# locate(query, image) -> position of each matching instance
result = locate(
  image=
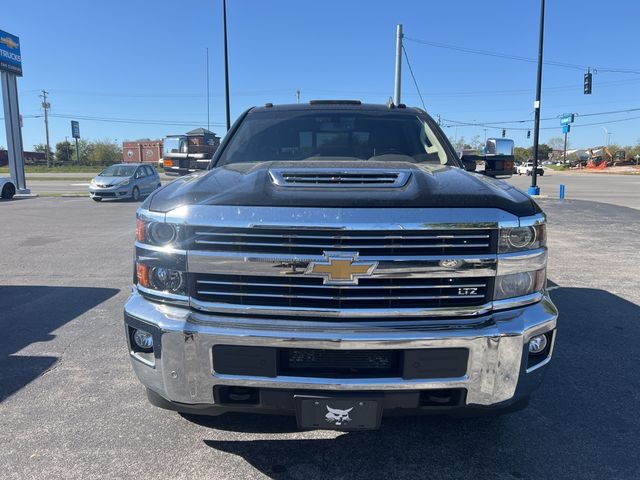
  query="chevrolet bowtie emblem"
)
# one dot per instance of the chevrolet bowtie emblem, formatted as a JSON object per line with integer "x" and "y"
{"x": 341, "y": 269}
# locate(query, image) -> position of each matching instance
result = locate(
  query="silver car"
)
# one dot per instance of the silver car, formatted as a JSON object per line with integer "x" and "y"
{"x": 124, "y": 181}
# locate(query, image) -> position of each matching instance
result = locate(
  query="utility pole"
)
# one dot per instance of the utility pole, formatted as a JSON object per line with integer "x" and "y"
{"x": 226, "y": 64}
{"x": 208, "y": 103}
{"x": 534, "y": 189}
{"x": 397, "y": 86}
{"x": 298, "y": 95}
{"x": 46, "y": 106}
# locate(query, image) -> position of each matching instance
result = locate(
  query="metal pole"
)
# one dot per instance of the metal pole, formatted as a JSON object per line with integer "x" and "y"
{"x": 45, "y": 106}
{"x": 565, "y": 148}
{"x": 397, "y": 83}
{"x": 77, "y": 153}
{"x": 534, "y": 189}
{"x": 14, "y": 131}
{"x": 208, "y": 103}
{"x": 226, "y": 63}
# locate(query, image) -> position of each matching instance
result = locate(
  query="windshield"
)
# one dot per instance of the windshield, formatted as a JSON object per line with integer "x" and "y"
{"x": 174, "y": 145}
{"x": 119, "y": 171}
{"x": 334, "y": 135}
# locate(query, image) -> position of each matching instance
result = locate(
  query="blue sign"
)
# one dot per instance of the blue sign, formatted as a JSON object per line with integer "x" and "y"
{"x": 75, "y": 129}
{"x": 567, "y": 118}
{"x": 566, "y": 128}
{"x": 10, "y": 58}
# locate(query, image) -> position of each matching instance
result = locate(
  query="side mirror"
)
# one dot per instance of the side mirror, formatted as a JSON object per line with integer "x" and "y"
{"x": 499, "y": 159}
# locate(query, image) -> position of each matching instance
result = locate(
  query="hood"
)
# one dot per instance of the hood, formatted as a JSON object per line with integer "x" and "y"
{"x": 250, "y": 184}
{"x": 110, "y": 180}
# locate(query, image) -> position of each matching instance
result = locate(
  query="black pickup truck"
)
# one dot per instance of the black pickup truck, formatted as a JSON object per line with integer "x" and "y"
{"x": 337, "y": 263}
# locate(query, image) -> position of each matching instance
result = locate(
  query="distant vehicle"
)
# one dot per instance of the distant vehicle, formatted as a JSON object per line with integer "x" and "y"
{"x": 7, "y": 188}
{"x": 124, "y": 181}
{"x": 526, "y": 168}
{"x": 184, "y": 154}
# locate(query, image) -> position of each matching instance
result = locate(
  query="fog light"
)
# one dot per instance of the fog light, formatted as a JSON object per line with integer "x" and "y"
{"x": 143, "y": 340}
{"x": 537, "y": 344}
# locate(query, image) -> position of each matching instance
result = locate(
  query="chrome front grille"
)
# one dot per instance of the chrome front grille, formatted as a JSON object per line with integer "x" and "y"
{"x": 354, "y": 178}
{"x": 368, "y": 243}
{"x": 303, "y": 292}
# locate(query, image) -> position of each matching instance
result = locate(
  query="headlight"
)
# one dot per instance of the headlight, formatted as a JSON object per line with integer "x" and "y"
{"x": 162, "y": 279}
{"x": 93, "y": 182}
{"x": 157, "y": 233}
{"x": 519, "y": 284}
{"x": 522, "y": 238}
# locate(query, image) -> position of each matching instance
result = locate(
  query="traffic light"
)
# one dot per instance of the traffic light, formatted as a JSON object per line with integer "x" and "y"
{"x": 504, "y": 133}
{"x": 528, "y": 133}
{"x": 587, "y": 83}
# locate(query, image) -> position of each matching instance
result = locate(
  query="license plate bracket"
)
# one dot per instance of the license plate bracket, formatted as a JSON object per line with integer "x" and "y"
{"x": 338, "y": 412}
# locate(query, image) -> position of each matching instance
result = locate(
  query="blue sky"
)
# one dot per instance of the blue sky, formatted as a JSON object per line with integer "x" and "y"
{"x": 143, "y": 61}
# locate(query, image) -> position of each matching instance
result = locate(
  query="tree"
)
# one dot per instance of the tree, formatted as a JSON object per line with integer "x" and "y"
{"x": 557, "y": 143}
{"x": 64, "y": 152}
{"x": 39, "y": 147}
{"x": 104, "y": 152}
{"x": 543, "y": 151}
{"x": 458, "y": 145}
{"x": 85, "y": 149}
{"x": 476, "y": 143}
{"x": 522, "y": 154}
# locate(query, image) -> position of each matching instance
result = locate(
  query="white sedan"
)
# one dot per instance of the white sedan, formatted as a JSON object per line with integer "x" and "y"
{"x": 7, "y": 188}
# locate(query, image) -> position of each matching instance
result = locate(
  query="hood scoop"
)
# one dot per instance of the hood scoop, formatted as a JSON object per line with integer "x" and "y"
{"x": 339, "y": 178}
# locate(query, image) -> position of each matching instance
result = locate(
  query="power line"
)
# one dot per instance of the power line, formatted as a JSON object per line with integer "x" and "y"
{"x": 521, "y": 58}
{"x": 415, "y": 82}
{"x": 133, "y": 121}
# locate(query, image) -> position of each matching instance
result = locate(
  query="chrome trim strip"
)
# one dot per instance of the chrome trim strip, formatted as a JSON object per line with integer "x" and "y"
{"x": 538, "y": 219}
{"x": 340, "y": 247}
{"x": 340, "y": 218}
{"x": 160, "y": 248}
{"x": 517, "y": 301}
{"x": 150, "y": 216}
{"x": 332, "y": 235}
{"x": 341, "y": 287}
{"x": 329, "y": 297}
{"x": 253, "y": 310}
{"x": 257, "y": 264}
{"x": 182, "y": 300}
{"x": 525, "y": 261}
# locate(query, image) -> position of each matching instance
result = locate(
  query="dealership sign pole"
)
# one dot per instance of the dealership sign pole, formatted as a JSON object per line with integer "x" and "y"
{"x": 11, "y": 68}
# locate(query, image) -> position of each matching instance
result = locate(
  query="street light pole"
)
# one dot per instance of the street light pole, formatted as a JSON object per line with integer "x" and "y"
{"x": 534, "y": 189}
{"x": 226, "y": 64}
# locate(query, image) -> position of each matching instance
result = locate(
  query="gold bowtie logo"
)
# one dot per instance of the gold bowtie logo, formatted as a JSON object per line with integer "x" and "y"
{"x": 341, "y": 269}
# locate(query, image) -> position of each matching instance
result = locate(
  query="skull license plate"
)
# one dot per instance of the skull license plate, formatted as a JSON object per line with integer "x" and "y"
{"x": 338, "y": 413}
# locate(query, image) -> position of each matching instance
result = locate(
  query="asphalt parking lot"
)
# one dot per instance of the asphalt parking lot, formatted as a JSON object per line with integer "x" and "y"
{"x": 71, "y": 407}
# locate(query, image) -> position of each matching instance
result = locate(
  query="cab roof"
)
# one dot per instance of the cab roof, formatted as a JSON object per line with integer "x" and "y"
{"x": 354, "y": 105}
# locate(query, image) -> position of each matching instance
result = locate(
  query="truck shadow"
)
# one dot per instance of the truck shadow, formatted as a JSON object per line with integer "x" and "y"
{"x": 28, "y": 314}
{"x": 581, "y": 420}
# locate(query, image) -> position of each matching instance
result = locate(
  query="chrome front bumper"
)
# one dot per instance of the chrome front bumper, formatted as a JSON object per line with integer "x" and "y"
{"x": 181, "y": 369}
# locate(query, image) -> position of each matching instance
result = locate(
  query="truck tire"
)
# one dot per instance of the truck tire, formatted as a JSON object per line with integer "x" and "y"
{"x": 8, "y": 191}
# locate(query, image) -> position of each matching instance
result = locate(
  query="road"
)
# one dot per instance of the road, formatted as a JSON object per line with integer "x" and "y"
{"x": 70, "y": 406}
{"x": 623, "y": 190}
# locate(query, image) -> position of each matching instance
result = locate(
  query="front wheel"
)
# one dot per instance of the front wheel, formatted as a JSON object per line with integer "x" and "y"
{"x": 8, "y": 191}
{"x": 135, "y": 194}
